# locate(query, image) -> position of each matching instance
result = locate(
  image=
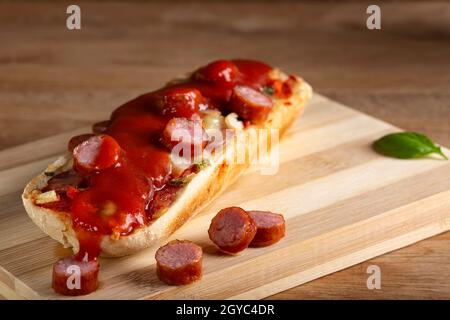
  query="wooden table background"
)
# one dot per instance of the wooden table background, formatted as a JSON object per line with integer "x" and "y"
{"x": 53, "y": 80}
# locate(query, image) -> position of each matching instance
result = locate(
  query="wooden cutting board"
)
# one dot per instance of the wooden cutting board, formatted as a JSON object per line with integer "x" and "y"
{"x": 343, "y": 204}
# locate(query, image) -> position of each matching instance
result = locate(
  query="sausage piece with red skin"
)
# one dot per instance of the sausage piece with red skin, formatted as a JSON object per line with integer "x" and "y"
{"x": 176, "y": 102}
{"x": 270, "y": 228}
{"x": 186, "y": 132}
{"x": 232, "y": 230}
{"x": 179, "y": 262}
{"x": 75, "y": 141}
{"x": 62, "y": 181}
{"x": 101, "y": 127}
{"x": 72, "y": 277}
{"x": 96, "y": 153}
{"x": 250, "y": 104}
{"x": 221, "y": 72}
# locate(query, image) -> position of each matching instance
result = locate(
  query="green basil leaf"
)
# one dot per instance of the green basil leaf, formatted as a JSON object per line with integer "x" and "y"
{"x": 407, "y": 145}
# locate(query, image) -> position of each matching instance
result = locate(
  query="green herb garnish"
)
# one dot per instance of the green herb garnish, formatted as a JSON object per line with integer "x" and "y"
{"x": 202, "y": 164}
{"x": 407, "y": 145}
{"x": 178, "y": 182}
{"x": 268, "y": 90}
{"x": 181, "y": 181}
{"x": 49, "y": 173}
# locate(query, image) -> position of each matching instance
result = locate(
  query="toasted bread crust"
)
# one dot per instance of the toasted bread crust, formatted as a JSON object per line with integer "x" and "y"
{"x": 200, "y": 191}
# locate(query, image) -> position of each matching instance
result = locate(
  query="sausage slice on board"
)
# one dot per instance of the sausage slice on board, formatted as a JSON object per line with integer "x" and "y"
{"x": 270, "y": 228}
{"x": 179, "y": 262}
{"x": 72, "y": 277}
{"x": 232, "y": 229}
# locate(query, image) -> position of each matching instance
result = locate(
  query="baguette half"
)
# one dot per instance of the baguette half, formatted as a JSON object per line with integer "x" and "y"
{"x": 200, "y": 191}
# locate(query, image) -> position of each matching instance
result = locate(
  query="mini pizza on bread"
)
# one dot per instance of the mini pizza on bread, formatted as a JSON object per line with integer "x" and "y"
{"x": 122, "y": 188}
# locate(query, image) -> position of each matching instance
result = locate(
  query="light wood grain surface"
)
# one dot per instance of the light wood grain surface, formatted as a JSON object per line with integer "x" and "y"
{"x": 339, "y": 211}
{"x": 53, "y": 80}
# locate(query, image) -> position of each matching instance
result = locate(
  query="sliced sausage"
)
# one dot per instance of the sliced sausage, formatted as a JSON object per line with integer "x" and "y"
{"x": 232, "y": 230}
{"x": 183, "y": 102}
{"x": 188, "y": 133}
{"x": 62, "y": 181}
{"x": 270, "y": 228}
{"x": 101, "y": 127}
{"x": 220, "y": 72}
{"x": 162, "y": 199}
{"x": 75, "y": 141}
{"x": 250, "y": 104}
{"x": 179, "y": 262}
{"x": 72, "y": 277}
{"x": 97, "y": 153}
